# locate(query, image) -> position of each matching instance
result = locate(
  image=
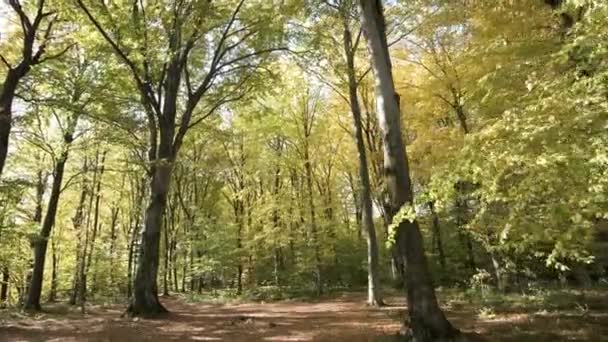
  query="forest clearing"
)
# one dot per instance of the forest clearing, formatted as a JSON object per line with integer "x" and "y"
{"x": 297, "y": 170}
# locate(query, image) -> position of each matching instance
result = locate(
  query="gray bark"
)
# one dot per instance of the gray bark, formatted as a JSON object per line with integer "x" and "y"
{"x": 374, "y": 296}
{"x": 427, "y": 321}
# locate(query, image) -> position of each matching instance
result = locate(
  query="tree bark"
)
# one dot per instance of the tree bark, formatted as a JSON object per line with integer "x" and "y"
{"x": 54, "y": 262}
{"x": 4, "y": 286}
{"x": 40, "y": 244}
{"x": 7, "y": 94}
{"x": 166, "y": 269}
{"x": 145, "y": 292}
{"x": 77, "y": 221}
{"x": 427, "y": 321}
{"x": 113, "y": 225}
{"x": 91, "y": 259}
{"x": 438, "y": 243}
{"x": 374, "y": 296}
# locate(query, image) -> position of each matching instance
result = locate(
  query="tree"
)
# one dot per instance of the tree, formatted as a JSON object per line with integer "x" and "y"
{"x": 427, "y": 321}
{"x": 73, "y": 99}
{"x": 241, "y": 43}
{"x": 33, "y": 52}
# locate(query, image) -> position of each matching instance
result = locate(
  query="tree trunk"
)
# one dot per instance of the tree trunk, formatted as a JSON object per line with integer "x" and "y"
{"x": 438, "y": 243}
{"x": 7, "y": 94}
{"x": 54, "y": 262}
{"x": 427, "y": 321}
{"x": 4, "y": 286}
{"x": 374, "y": 296}
{"x": 239, "y": 247}
{"x": 134, "y": 233}
{"x": 313, "y": 224}
{"x": 173, "y": 258}
{"x": 115, "y": 211}
{"x": 145, "y": 295}
{"x": 166, "y": 261}
{"x": 40, "y": 244}
{"x": 501, "y": 281}
{"x": 96, "y": 225}
{"x": 77, "y": 221}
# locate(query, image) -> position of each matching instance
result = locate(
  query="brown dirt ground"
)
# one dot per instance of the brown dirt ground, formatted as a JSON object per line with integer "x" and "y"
{"x": 345, "y": 318}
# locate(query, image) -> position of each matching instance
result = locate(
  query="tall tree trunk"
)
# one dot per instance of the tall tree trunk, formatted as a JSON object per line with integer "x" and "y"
{"x": 438, "y": 243}
{"x": 40, "y": 243}
{"x": 427, "y": 321}
{"x": 166, "y": 269}
{"x": 374, "y": 296}
{"x": 145, "y": 295}
{"x": 96, "y": 224}
{"x": 313, "y": 222}
{"x": 40, "y": 190}
{"x": 54, "y": 262}
{"x": 113, "y": 225}
{"x": 77, "y": 221}
{"x": 7, "y": 94}
{"x": 239, "y": 246}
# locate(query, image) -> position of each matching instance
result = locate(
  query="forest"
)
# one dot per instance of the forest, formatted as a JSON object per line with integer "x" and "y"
{"x": 299, "y": 170}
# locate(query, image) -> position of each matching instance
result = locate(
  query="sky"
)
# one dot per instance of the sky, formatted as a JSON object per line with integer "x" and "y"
{"x": 3, "y": 19}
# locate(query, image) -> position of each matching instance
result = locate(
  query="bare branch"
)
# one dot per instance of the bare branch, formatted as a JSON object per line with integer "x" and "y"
{"x": 57, "y": 55}
{"x": 144, "y": 86}
{"x": 8, "y": 65}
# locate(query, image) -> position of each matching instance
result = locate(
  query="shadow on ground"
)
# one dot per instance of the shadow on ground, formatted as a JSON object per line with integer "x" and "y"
{"x": 342, "y": 319}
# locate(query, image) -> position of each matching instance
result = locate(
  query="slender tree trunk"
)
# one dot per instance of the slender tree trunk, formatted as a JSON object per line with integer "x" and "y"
{"x": 427, "y": 321}
{"x": 91, "y": 259}
{"x": 54, "y": 262}
{"x": 438, "y": 243}
{"x": 40, "y": 244}
{"x": 166, "y": 269}
{"x": 498, "y": 272}
{"x": 136, "y": 215}
{"x": 130, "y": 260}
{"x": 113, "y": 225}
{"x": 313, "y": 224}
{"x": 4, "y": 286}
{"x": 374, "y": 296}
{"x": 239, "y": 247}
{"x": 173, "y": 258}
{"x": 77, "y": 221}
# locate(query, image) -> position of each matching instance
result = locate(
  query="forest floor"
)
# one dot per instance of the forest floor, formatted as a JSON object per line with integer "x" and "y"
{"x": 571, "y": 316}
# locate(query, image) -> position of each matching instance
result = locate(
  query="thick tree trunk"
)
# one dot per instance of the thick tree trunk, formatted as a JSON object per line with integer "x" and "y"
{"x": 427, "y": 321}
{"x": 7, "y": 94}
{"x": 145, "y": 292}
{"x": 374, "y": 296}
{"x": 40, "y": 244}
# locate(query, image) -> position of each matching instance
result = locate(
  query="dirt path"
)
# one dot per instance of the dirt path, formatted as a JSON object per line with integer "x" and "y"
{"x": 342, "y": 319}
